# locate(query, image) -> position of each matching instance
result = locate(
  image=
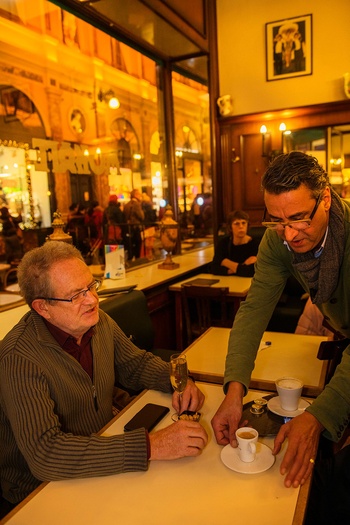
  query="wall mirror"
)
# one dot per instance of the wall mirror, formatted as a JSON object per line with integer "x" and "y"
{"x": 339, "y": 158}
{"x": 331, "y": 146}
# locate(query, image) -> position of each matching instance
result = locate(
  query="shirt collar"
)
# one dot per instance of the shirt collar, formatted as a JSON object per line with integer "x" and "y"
{"x": 61, "y": 336}
{"x": 319, "y": 250}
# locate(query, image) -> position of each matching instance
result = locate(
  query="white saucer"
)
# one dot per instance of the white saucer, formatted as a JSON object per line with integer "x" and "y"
{"x": 274, "y": 405}
{"x": 263, "y": 459}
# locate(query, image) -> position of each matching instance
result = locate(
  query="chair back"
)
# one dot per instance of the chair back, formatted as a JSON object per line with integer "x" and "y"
{"x": 130, "y": 312}
{"x": 199, "y": 305}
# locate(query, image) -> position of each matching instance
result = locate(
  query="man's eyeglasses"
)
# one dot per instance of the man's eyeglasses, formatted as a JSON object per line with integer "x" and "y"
{"x": 77, "y": 297}
{"x": 300, "y": 224}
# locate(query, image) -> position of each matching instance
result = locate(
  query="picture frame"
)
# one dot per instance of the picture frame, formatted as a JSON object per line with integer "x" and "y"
{"x": 288, "y": 45}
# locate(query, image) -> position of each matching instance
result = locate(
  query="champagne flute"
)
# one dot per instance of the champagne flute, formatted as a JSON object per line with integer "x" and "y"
{"x": 178, "y": 372}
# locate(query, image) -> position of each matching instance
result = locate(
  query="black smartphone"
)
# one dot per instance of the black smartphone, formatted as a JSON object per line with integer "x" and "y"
{"x": 147, "y": 417}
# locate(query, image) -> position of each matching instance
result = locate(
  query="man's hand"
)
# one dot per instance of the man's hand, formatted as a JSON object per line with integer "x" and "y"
{"x": 182, "y": 439}
{"x": 191, "y": 398}
{"x": 303, "y": 434}
{"x": 228, "y": 417}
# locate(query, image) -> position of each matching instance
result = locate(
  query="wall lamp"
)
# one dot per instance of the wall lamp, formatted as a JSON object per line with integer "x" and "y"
{"x": 266, "y": 137}
{"x": 109, "y": 97}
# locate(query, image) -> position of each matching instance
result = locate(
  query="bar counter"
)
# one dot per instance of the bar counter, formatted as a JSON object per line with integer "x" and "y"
{"x": 150, "y": 279}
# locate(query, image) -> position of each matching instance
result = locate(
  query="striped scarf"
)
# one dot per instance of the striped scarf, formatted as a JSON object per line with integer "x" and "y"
{"x": 322, "y": 272}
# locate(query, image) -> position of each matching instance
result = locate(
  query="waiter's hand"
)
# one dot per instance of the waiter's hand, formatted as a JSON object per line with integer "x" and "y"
{"x": 303, "y": 434}
{"x": 228, "y": 416}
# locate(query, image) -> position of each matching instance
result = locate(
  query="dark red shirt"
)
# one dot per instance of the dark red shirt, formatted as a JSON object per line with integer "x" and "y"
{"x": 82, "y": 353}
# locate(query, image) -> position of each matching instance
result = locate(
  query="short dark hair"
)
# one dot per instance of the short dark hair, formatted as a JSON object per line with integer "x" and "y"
{"x": 236, "y": 214}
{"x": 290, "y": 170}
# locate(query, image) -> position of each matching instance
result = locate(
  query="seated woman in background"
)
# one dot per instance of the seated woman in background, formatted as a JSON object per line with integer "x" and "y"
{"x": 235, "y": 253}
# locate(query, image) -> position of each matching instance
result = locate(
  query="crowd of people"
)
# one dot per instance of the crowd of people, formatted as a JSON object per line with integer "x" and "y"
{"x": 59, "y": 364}
{"x": 92, "y": 226}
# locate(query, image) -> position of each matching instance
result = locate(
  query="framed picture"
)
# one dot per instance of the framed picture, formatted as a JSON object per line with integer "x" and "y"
{"x": 289, "y": 48}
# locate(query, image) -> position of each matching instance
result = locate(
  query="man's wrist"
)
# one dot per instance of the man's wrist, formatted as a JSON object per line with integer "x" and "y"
{"x": 234, "y": 388}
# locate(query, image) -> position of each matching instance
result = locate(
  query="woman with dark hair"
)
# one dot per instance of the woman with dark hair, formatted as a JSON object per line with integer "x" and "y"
{"x": 235, "y": 253}
{"x": 13, "y": 243}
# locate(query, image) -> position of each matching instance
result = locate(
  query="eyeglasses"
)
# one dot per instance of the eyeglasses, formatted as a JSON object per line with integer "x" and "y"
{"x": 300, "y": 224}
{"x": 77, "y": 297}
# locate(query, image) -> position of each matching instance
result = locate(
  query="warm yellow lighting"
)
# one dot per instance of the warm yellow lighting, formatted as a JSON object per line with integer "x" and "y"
{"x": 114, "y": 103}
{"x": 109, "y": 98}
{"x": 186, "y": 129}
{"x": 283, "y": 127}
{"x": 98, "y": 151}
{"x": 137, "y": 156}
{"x": 335, "y": 162}
{"x": 86, "y": 152}
{"x": 263, "y": 129}
{"x": 178, "y": 153}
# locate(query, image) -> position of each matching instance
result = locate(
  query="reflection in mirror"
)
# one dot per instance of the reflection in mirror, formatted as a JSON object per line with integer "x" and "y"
{"x": 339, "y": 159}
{"x": 311, "y": 141}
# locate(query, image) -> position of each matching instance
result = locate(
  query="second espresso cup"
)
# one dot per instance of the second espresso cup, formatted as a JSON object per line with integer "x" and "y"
{"x": 289, "y": 391}
{"x": 247, "y": 438}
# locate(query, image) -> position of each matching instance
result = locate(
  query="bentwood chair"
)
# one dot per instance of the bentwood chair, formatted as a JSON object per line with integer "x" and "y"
{"x": 203, "y": 307}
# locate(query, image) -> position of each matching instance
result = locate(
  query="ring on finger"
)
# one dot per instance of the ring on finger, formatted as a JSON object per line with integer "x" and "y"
{"x": 312, "y": 461}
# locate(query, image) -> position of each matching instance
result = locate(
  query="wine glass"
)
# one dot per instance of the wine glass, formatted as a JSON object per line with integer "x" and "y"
{"x": 178, "y": 372}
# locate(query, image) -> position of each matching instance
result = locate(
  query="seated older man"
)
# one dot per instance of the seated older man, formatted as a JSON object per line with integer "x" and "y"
{"x": 58, "y": 368}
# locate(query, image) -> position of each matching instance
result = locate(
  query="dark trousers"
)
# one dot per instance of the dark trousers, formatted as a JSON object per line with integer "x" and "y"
{"x": 5, "y": 507}
{"x": 329, "y": 501}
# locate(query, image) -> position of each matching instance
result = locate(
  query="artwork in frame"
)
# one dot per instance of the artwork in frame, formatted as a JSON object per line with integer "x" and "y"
{"x": 289, "y": 48}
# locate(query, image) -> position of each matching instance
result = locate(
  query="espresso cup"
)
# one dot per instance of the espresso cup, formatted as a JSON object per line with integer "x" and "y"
{"x": 247, "y": 438}
{"x": 289, "y": 391}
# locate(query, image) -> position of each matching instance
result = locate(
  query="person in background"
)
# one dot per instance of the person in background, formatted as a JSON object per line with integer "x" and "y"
{"x": 134, "y": 216}
{"x": 76, "y": 227}
{"x": 308, "y": 236}
{"x": 311, "y": 322}
{"x": 149, "y": 211}
{"x": 13, "y": 242}
{"x": 149, "y": 232}
{"x": 58, "y": 369}
{"x": 93, "y": 221}
{"x": 3, "y": 199}
{"x": 235, "y": 253}
{"x": 113, "y": 222}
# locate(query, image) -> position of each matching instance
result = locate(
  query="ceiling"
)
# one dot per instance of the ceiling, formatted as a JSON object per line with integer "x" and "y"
{"x": 148, "y": 29}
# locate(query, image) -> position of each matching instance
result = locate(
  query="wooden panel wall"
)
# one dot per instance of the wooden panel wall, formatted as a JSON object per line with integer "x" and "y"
{"x": 241, "y": 163}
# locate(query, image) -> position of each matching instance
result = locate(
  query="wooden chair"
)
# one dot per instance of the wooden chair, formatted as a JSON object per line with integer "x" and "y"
{"x": 10, "y": 278}
{"x": 199, "y": 305}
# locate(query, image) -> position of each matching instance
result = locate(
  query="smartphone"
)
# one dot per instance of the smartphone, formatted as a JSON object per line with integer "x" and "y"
{"x": 147, "y": 417}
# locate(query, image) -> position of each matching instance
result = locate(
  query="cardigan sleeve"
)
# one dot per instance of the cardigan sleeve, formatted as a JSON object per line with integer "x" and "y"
{"x": 51, "y": 451}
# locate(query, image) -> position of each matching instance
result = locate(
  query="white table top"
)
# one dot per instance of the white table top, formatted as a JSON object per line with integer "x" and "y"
{"x": 190, "y": 490}
{"x": 144, "y": 278}
{"x": 238, "y": 286}
{"x": 288, "y": 355}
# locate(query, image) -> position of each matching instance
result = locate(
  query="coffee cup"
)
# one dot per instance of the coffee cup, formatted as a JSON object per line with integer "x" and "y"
{"x": 289, "y": 391}
{"x": 247, "y": 438}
